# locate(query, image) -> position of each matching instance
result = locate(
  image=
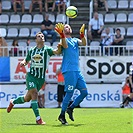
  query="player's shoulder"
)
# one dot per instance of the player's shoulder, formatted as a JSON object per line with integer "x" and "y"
{"x": 47, "y": 47}
{"x": 32, "y": 48}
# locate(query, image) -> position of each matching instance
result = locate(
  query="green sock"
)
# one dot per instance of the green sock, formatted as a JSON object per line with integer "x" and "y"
{"x": 19, "y": 100}
{"x": 34, "y": 106}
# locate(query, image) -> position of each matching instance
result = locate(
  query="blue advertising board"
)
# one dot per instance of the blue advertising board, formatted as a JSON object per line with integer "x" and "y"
{"x": 4, "y": 69}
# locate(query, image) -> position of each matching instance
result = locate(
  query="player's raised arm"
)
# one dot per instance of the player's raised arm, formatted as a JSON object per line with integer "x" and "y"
{"x": 82, "y": 37}
{"x": 59, "y": 29}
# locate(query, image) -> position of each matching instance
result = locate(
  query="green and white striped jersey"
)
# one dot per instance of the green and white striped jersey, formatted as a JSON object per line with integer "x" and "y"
{"x": 39, "y": 60}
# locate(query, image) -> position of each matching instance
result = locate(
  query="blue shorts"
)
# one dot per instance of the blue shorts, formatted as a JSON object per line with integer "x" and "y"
{"x": 74, "y": 80}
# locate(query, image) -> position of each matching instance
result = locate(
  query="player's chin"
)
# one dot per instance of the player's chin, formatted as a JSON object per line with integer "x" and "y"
{"x": 67, "y": 32}
{"x": 43, "y": 40}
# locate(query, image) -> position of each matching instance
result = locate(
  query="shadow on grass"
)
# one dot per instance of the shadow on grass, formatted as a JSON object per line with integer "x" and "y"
{"x": 31, "y": 124}
{"x": 72, "y": 125}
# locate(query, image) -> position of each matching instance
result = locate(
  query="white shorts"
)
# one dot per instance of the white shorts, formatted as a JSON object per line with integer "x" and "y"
{"x": 41, "y": 92}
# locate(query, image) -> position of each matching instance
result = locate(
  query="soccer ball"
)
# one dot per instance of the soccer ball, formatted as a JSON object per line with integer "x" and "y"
{"x": 72, "y": 12}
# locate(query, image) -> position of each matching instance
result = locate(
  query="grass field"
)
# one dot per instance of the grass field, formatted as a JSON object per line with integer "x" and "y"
{"x": 87, "y": 120}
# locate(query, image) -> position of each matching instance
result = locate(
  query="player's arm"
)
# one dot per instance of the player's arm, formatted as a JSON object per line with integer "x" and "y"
{"x": 59, "y": 29}
{"x": 26, "y": 60}
{"x": 130, "y": 81}
{"x": 58, "y": 50}
{"x": 23, "y": 63}
{"x": 83, "y": 41}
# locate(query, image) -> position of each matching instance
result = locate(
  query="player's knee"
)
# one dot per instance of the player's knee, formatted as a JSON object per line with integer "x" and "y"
{"x": 84, "y": 93}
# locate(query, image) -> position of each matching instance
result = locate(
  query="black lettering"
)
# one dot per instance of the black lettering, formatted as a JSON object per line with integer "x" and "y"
{"x": 128, "y": 67}
{"x": 101, "y": 72}
{"x": 122, "y": 68}
{"x": 94, "y": 70}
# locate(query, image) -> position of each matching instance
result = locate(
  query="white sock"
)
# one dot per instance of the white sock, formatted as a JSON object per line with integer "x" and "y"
{"x": 38, "y": 117}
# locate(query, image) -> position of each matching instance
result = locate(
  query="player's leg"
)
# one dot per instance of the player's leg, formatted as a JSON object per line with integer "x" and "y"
{"x": 70, "y": 84}
{"x": 22, "y": 5}
{"x": 127, "y": 100}
{"x": 36, "y": 83}
{"x": 31, "y": 6}
{"x": 15, "y": 6}
{"x": 45, "y": 33}
{"x": 95, "y": 5}
{"x": 59, "y": 95}
{"x": 81, "y": 85}
{"x": 40, "y": 5}
{"x": 54, "y": 35}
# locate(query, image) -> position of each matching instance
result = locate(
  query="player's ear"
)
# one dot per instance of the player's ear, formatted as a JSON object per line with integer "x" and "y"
{"x": 70, "y": 30}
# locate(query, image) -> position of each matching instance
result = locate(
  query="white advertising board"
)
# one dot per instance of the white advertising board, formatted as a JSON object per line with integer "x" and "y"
{"x": 18, "y": 74}
{"x": 106, "y": 68}
{"x": 100, "y": 95}
{"x": 94, "y": 69}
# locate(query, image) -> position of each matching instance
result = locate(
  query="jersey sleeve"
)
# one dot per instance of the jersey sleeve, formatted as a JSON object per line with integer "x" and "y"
{"x": 50, "y": 51}
{"x": 28, "y": 57}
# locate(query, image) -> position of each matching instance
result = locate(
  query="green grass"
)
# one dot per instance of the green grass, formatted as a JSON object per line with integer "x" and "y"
{"x": 87, "y": 120}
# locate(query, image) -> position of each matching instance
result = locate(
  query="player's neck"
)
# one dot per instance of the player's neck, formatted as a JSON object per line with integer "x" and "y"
{"x": 68, "y": 36}
{"x": 40, "y": 45}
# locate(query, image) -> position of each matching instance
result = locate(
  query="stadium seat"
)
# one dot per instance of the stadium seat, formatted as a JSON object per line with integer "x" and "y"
{"x": 61, "y": 18}
{"x": 131, "y": 4}
{"x": 130, "y": 31}
{"x": 47, "y": 43}
{"x": 52, "y": 17}
{"x": 27, "y": 4}
{"x": 4, "y": 18}
{"x": 37, "y": 18}
{"x": 55, "y": 43}
{"x": 3, "y": 32}
{"x": 9, "y": 45}
{"x": 34, "y": 31}
{"x": 12, "y": 32}
{"x": 123, "y": 31}
{"x": 121, "y": 17}
{"x": 24, "y": 32}
{"x": 123, "y": 4}
{"x": 6, "y": 5}
{"x": 109, "y": 18}
{"x": 15, "y": 18}
{"x": 26, "y": 18}
{"x": 94, "y": 45}
{"x": 100, "y": 16}
{"x": 22, "y": 45}
{"x": 111, "y": 30}
{"x": 129, "y": 45}
{"x": 32, "y": 44}
{"x": 112, "y": 4}
{"x": 130, "y": 17}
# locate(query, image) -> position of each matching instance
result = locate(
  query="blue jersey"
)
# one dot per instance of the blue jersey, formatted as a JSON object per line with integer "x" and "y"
{"x": 70, "y": 56}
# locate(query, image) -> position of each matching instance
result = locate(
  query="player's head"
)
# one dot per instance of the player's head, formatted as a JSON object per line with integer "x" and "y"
{"x": 95, "y": 15}
{"x": 40, "y": 37}
{"x": 118, "y": 30}
{"x": 107, "y": 30}
{"x": 67, "y": 29}
{"x": 46, "y": 17}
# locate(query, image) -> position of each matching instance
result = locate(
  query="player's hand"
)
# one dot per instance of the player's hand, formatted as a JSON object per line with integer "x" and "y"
{"x": 82, "y": 30}
{"x": 59, "y": 46}
{"x": 22, "y": 63}
{"x": 59, "y": 29}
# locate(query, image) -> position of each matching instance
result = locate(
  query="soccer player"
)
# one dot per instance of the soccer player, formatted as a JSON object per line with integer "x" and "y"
{"x": 130, "y": 96}
{"x": 39, "y": 57}
{"x": 70, "y": 69}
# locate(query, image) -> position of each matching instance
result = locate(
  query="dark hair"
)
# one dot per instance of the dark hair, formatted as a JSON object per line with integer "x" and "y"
{"x": 14, "y": 42}
{"x": 118, "y": 29}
